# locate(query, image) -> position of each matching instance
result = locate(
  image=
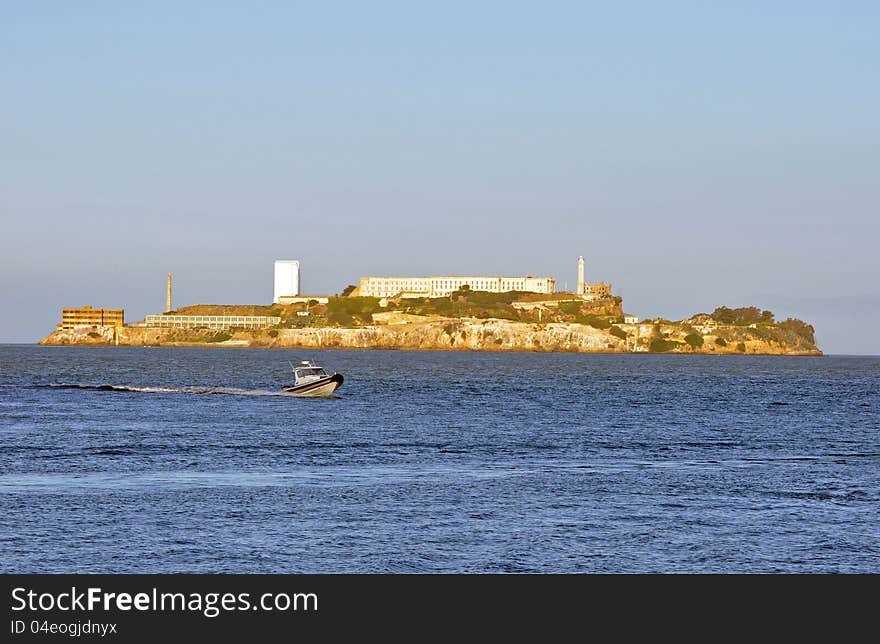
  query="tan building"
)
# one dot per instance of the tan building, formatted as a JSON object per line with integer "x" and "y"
{"x": 443, "y": 285}
{"x": 211, "y": 321}
{"x": 595, "y": 291}
{"x": 87, "y": 316}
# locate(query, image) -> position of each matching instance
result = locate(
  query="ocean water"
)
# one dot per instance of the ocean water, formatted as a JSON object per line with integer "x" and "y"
{"x": 437, "y": 462}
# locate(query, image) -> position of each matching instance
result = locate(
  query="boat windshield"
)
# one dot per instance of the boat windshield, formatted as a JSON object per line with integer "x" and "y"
{"x": 310, "y": 371}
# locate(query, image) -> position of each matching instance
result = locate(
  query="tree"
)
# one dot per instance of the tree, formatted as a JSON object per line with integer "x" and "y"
{"x": 348, "y": 290}
{"x": 800, "y": 329}
{"x": 742, "y": 316}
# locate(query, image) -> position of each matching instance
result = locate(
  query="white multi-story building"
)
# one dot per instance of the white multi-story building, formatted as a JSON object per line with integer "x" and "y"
{"x": 443, "y": 285}
{"x": 286, "y": 278}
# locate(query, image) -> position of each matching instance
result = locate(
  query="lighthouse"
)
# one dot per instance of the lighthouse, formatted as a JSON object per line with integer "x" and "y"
{"x": 581, "y": 289}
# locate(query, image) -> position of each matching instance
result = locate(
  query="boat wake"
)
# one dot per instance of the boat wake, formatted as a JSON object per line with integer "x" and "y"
{"x": 217, "y": 391}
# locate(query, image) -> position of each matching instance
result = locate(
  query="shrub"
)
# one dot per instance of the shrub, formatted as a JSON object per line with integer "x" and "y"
{"x": 93, "y": 334}
{"x": 485, "y": 299}
{"x": 617, "y": 332}
{"x": 721, "y": 342}
{"x": 659, "y": 345}
{"x": 598, "y": 323}
{"x": 348, "y": 290}
{"x": 430, "y": 306}
{"x": 570, "y": 308}
{"x": 695, "y": 340}
{"x": 762, "y": 332}
{"x": 341, "y": 318}
{"x": 223, "y": 336}
{"x": 273, "y": 333}
{"x": 345, "y": 310}
{"x": 502, "y": 314}
{"x": 741, "y": 347}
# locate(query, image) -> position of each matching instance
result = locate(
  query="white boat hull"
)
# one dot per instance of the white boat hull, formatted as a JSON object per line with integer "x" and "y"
{"x": 316, "y": 389}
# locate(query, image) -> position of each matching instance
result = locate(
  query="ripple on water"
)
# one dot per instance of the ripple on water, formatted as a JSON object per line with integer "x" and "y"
{"x": 190, "y": 460}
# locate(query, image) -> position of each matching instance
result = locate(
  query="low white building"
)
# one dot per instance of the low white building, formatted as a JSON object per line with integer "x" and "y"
{"x": 210, "y": 321}
{"x": 630, "y": 319}
{"x": 286, "y": 278}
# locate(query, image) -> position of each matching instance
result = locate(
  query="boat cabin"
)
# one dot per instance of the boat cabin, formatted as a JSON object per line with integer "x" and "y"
{"x": 308, "y": 372}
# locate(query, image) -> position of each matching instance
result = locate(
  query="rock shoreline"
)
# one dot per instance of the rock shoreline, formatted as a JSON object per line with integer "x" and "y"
{"x": 450, "y": 334}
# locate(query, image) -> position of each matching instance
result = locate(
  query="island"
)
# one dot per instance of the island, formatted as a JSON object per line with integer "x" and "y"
{"x": 466, "y": 320}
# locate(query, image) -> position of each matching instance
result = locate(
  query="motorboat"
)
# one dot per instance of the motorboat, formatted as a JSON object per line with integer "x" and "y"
{"x": 311, "y": 380}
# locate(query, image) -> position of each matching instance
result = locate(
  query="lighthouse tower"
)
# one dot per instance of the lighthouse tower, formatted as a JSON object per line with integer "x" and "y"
{"x": 581, "y": 288}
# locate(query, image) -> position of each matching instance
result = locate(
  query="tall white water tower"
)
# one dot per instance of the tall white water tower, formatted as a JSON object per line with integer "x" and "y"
{"x": 286, "y": 278}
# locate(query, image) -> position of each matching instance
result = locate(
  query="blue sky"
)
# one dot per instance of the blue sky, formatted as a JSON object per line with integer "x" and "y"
{"x": 695, "y": 154}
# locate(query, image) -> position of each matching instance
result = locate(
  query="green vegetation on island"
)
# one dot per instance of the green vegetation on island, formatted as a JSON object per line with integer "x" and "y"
{"x": 477, "y": 320}
{"x": 467, "y": 303}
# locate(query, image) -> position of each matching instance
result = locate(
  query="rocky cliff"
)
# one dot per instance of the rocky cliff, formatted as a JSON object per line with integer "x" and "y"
{"x": 466, "y": 334}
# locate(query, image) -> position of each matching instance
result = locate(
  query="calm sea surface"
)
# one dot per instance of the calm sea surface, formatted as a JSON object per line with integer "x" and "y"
{"x": 437, "y": 462}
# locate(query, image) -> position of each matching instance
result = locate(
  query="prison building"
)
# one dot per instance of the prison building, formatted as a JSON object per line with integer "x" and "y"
{"x": 443, "y": 285}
